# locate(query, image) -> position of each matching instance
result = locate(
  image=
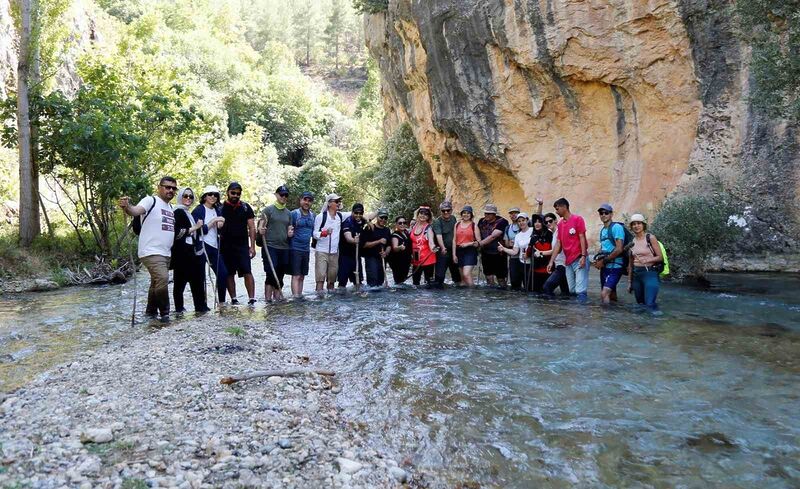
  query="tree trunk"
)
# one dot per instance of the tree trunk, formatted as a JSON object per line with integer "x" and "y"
{"x": 29, "y": 227}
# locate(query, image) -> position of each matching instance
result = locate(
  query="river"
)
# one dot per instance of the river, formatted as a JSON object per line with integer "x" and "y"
{"x": 497, "y": 389}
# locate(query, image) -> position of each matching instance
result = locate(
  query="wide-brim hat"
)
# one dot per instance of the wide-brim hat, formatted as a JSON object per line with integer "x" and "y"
{"x": 637, "y": 218}
{"x": 490, "y": 209}
{"x": 211, "y": 189}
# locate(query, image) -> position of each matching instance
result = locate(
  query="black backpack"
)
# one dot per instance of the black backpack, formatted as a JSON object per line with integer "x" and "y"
{"x": 324, "y": 220}
{"x": 137, "y": 223}
{"x": 627, "y": 242}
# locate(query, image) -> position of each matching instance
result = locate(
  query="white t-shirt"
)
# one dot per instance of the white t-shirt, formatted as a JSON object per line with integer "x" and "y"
{"x": 158, "y": 230}
{"x": 332, "y": 239}
{"x": 521, "y": 242}
{"x": 561, "y": 259}
{"x": 211, "y": 236}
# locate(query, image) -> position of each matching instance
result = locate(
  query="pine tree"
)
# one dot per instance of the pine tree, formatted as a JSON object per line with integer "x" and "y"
{"x": 306, "y": 32}
{"x": 334, "y": 30}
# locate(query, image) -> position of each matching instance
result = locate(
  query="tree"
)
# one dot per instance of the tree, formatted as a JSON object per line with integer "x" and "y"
{"x": 306, "y": 32}
{"x": 29, "y": 226}
{"x": 334, "y": 30}
{"x": 371, "y": 6}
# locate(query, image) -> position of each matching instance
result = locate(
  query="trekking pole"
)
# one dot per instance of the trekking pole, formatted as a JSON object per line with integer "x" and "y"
{"x": 133, "y": 271}
{"x": 385, "y": 275}
{"x": 358, "y": 282}
{"x": 265, "y": 249}
{"x": 216, "y": 272}
{"x": 208, "y": 264}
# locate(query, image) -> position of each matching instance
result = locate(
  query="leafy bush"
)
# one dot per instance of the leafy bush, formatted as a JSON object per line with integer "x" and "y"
{"x": 692, "y": 228}
{"x": 404, "y": 179}
{"x": 371, "y": 6}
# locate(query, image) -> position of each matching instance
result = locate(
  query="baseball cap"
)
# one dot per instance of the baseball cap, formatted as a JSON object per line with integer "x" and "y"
{"x": 283, "y": 189}
{"x": 234, "y": 185}
{"x": 490, "y": 209}
{"x": 358, "y": 207}
{"x": 331, "y": 197}
{"x": 605, "y": 207}
{"x": 445, "y": 206}
{"x": 521, "y": 215}
{"x": 383, "y": 212}
{"x": 307, "y": 194}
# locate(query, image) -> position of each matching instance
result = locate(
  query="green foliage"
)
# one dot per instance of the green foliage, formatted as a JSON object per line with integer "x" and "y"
{"x": 772, "y": 28}
{"x": 371, "y": 6}
{"x": 235, "y": 331}
{"x": 133, "y": 483}
{"x": 692, "y": 228}
{"x": 9, "y": 175}
{"x": 369, "y": 99}
{"x": 404, "y": 179}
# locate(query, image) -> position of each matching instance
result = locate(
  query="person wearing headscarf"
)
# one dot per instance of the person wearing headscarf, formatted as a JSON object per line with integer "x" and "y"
{"x": 187, "y": 261}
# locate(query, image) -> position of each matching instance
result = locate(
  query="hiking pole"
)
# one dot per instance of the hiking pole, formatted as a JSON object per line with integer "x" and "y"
{"x": 208, "y": 265}
{"x": 265, "y": 249}
{"x": 358, "y": 263}
{"x": 133, "y": 271}
{"x": 385, "y": 275}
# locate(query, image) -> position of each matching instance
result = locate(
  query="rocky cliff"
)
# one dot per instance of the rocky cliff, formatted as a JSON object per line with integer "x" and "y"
{"x": 596, "y": 100}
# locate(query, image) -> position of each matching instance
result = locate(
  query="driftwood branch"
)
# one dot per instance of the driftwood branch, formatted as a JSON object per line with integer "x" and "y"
{"x": 275, "y": 373}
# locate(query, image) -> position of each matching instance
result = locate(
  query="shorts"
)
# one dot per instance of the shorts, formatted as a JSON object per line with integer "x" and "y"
{"x": 467, "y": 257}
{"x": 298, "y": 262}
{"x": 495, "y": 265}
{"x": 609, "y": 277}
{"x": 326, "y": 262}
{"x": 237, "y": 259}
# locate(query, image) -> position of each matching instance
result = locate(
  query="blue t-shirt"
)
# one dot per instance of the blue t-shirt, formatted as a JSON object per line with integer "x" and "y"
{"x": 607, "y": 245}
{"x": 303, "y": 229}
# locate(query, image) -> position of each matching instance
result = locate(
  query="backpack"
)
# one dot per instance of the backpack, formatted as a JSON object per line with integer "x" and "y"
{"x": 627, "y": 242}
{"x": 322, "y": 225}
{"x": 136, "y": 224}
{"x": 664, "y": 266}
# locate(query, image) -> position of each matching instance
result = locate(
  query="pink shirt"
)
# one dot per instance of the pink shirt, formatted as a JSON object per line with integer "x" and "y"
{"x": 568, "y": 233}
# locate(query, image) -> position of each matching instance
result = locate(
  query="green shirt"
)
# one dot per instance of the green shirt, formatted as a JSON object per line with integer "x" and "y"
{"x": 278, "y": 221}
{"x": 446, "y": 228}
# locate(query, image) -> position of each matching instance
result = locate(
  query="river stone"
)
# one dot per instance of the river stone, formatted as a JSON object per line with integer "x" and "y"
{"x": 399, "y": 474}
{"x": 347, "y": 466}
{"x": 97, "y": 435}
{"x": 41, "y": 285}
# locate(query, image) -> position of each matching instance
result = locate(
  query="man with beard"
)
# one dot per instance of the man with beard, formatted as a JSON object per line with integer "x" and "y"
{"x": 303, "y": 223}
{"x": 352, "y": 228}
{"x": 275, "y": 228}
{"x": 238, "y": 241}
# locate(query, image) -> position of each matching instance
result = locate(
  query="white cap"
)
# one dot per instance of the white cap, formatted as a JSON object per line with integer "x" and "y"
{"x": 637, "y": 218}
{"x": 210, "y": 189}
{"x": 522, "y": 215}
{"x": 331, "y": 197}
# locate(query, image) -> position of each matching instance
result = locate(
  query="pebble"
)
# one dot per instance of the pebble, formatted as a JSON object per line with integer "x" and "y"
{"x": 97, "y": 435}
{"x": 347, "y": 466}
{"x": 285, "y": 443}
{"x": 399, "y": 474}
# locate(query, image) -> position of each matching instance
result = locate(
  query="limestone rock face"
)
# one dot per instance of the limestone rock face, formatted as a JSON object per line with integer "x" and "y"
{"x": 597, "y": 101}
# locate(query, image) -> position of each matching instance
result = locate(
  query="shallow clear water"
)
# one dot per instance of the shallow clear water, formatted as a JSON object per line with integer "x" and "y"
{"x": 506, "y": 390}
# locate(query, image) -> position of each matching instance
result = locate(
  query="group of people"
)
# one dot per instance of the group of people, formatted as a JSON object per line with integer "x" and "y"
{"x": 537, "y": 253}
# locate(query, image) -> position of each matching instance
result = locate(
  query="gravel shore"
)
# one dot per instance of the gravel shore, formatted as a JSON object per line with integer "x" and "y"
{"x": 152, "y": 413}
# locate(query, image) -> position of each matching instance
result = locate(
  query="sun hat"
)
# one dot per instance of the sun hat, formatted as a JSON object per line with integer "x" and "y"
{"x": 513, "y": 209}
{"x": 637, "y": 218}
{"x": 467, "y": 208}
{"x": 211, "y": 189}
{"x": 490, "y": 209}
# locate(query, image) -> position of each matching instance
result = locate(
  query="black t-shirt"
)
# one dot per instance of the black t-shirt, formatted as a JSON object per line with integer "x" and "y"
{"x": 374, "y": 234}
{"x": 487, "y": 228}
{"x": 234, "y": 232}
{"x": 354, "y": 228}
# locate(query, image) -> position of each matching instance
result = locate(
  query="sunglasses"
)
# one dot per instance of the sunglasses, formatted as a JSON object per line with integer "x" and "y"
{"x": 170, "y": 187}
{"x": 188, "y": 197}
{"x": 235, "y": 193}
{"x": 446, "y": 210}
{"x": 603, "y": 213}
{"x": 216, "y": 196}
{"x": 383, "y": 217}
{"x": 283, "y": 195}
{"x": 401, "y": 223}
{"x": 549, "y": 221}
{"x": 358, "y": 213}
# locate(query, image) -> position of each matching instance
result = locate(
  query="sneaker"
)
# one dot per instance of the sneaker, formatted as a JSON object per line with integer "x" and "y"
{"x": 251, "y": 302}
{"x": 234, "y": 302}
{"x": 164, "y": 318}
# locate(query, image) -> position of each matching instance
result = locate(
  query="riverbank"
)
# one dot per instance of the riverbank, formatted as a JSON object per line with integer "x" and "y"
{"x": 152, "y": 413}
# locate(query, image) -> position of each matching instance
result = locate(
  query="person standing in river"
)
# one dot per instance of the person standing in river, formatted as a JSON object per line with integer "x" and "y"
{"x": 209, "y": 212}
{"x": 443, "y": 228}
{"x": 349, "y": 260}
{"x": 541, "y": 247}
{"x": 466, "y": 240}
{"x": 303, "y": 224}
{"x": 401, "y": 251}
{"x": 492, "y": 228}
{"x": 519, "y": 252}
{"x": 514, "y": 266}
{"x": 155, "y": 242}
{"x": 376, "y": 239}
{"x": 327, "y": 227}
{"x": 238, "y": 242}
{"x": 645, "y": 265}
{"x": 188, "y": 261}
{"x": 558, "y": 277}
{"x": 275, "y": 228}
{"x": 572, "y": 240}
{"x": 423, "y": 258}
{"x": 609, "y": 262}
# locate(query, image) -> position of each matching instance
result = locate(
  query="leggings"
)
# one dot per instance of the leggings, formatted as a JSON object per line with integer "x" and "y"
{"x": 191, "y": 272}
{"x": 218, "y": 265}
{"x": 427, "y": 270}
{"x": 400, "y": 267}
